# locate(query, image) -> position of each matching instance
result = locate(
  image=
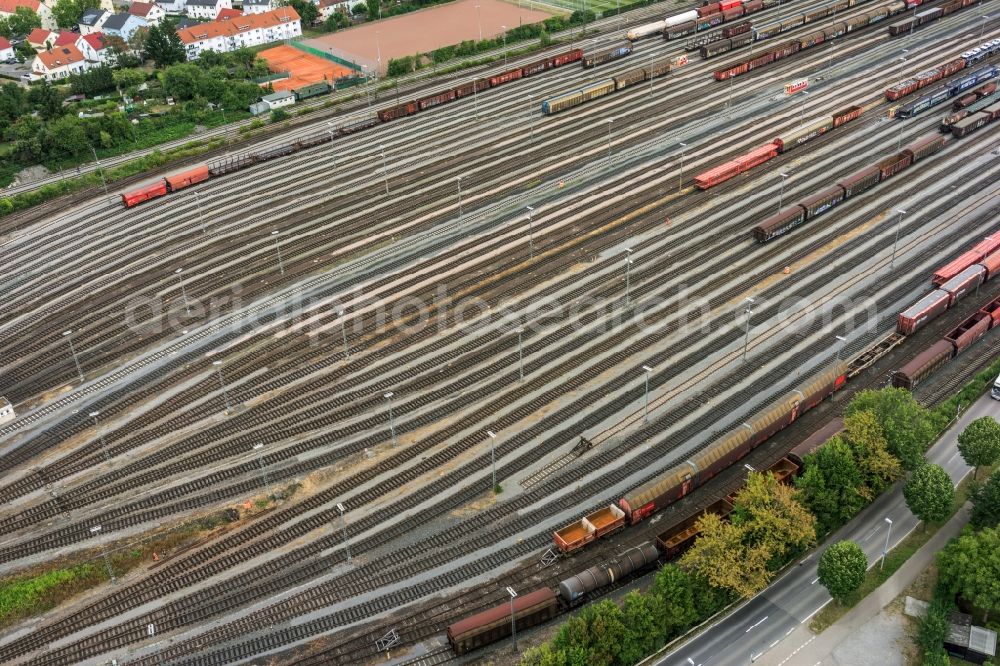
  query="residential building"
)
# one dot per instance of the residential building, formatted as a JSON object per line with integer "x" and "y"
{"x": 6, "y": 50}
{"x": 41, "y": 39}
{"x": 278, "y": 99}
{"x": 171, "y": 6}
{"x": 7, "y": 8}
{"x": 58, "y": 63}
{"x": 248, "y": 30}
{"x": 151, "y": 12}
{"x": 258, "y": 6}
{"x": 95, "y": 48}
{"x": 226, "y": 14}
{"x": 93, "y": 20}
{"x": 65, "y": 37}
{"x": 329, "y": 7}
{"x": 123, "y": 25}
{"x": 205, "y": 9}
{"x": 185, "y": 22}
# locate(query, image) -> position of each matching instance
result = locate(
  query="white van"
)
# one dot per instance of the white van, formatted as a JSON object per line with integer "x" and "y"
{"x": 995, "y": 391}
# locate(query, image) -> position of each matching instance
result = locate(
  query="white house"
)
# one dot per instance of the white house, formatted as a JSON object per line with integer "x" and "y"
{"x": 58, "y": 63}
{"x": 257, "y": 6}
{"x": 7, "y": 8}
{"x": 171, "y": 6}
{"x": 249, "y": 30}
{"x": 205, "y": 9}
{"x": 151, "y": 12}
{"x": 327, "y": 8}
{"x": 6, "y": 53}
{"x": 41, "y": 39}
{"x": 278, "y": 99}
{"x": 93, "y": 20}
{"x": 95, "y": 48}
{"x": 123, "y": 25}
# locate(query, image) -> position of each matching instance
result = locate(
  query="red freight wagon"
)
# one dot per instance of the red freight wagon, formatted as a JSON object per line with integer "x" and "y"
{"x": 753, "y": 6}
{"x": 435, "y": 100}
{"x": 470, "y": 88}
{"x": 963, "y": 283}
{"x": 812, "y": 39}
{"x": 536, "y": 67}
{"x": 992, "y": 265}
{"x": 711, "y": 8}
{"x": 732, "y": 14}
{"x": 964, "y": 101}
{"x": 988, "y": 89}
{"x": 506, "y": 77}
{"x": 847, "y": 115}
{"x": 136, "y": 197}
{"x": 569, "y": 56}
{"x": 930, "y": 306}
{"x": 901, "y": 89}
{"x": 398, "y": 111}
{"x": 678, "y": 538}
{"x": 969, "y": 331}
{"x": 988, "y": 245}
{"x": 969, "y": 125}
{"x": 893, "y": 165}
{"x": 491, "y": 625}
{"x": 951, "y": 67}
{"x": 950, "y": 270}
{"x": 733, "y": 30}
{"x": 992, "y": 111}
{"x": 993, "y": 310}
{"x": 592, "y": 526}
{"x": 726, "y": 5}
{"x": 815, "y": 440}
{"x": 187, "y": 179}
{"x": 924, "y": 146}
{"x": 921, "y": 367}
{"x": 735, "y": 167}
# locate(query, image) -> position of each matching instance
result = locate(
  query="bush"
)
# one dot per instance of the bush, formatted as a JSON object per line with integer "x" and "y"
{"x": 277, "y": 115}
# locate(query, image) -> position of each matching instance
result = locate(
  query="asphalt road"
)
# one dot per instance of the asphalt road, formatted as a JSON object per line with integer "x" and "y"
{"x": 762, "y": 623}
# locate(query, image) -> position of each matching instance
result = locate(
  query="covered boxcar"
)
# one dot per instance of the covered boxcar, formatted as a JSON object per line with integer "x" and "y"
{"x": 914, "y": 317}
{"x": 815, "y": 440}
{"x": 136, "y": 197}
{"x": 606, "y": 55}
{"x": 494, "y": 624}
{"x": 969, "y": 331}
{"x": 779, "y": 224}
{"x": 963, "y": 283}
{"x": 187, "y": 179}
{"x": 921, "y": 367}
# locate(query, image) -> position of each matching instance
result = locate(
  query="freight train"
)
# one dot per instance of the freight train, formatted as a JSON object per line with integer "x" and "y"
{"x": 542, "y": 605}
{"x": 907, "y": 25}
{"x": 862, "y": 181}
{"x": 947, "y": 91}
{"x": 709, "y": 15}
{"x": 786, "y": 49}
{"x": 573, "y": 98}
{"x": 757, "y": 156}
{"x": 934, "y": 74}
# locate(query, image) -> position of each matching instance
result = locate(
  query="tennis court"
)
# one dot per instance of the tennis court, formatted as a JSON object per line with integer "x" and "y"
{"x": 303, "y": 68}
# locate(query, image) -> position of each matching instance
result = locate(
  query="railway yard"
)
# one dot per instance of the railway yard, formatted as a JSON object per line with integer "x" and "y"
{"x": 396, "y": 316}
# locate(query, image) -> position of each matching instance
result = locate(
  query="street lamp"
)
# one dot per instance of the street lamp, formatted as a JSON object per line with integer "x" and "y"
{"x": 645, "y": 403}
{"x": 225, "y": 394}
{"x": 531, "y": 246}
{"x": 802, "y": 107}
{"x": 343, "y": 527}
{"x": 746, "y": 340}
{"x": 480, "y": 23}
{"x": 385, "y": 170}
{"x": 378, "y": 48}
{"x": 885, "y": 549}
{"x": 680, "y": 177}
{"x": 392, "y": 423}
{"x": 899, "y": 223}
{"x": 277, "y": 248}
{"x": 69, "y": 338}
{"x": 610, "y": 120}
{"x": 505, "y": 45}
{"x": 180, "y": 281}
{"x": 101, "y": 170}
{"x": 95, "y": 530}
{"x": 840, "y": 347}
{"x": 983, "y": 29}
{"x": 493, "y": 457}
{"x": 263, "y": 471}
{"x": 343, "y": 331}
{"x": 458, "y": 179}
{"x": 513, "y": 625}
{"x": 197, "y": 201}
{"x": 100, "y": 434}
{"x": 781, "y": 195}
{"x": 520, "y": 353}
{"x": 628, "y": 280}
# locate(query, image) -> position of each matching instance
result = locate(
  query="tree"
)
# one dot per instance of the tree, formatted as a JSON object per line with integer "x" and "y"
{"x": 599, "y": 632}
{"x": 23, "y": 21}
{"x": 674, "y": 593}
{"x": 829, "y": 486}
{"x": 969, "y": 567}
{"x": 128, "y": 79}
{"x": 164, "y": 46}
{"x": 643, "y": 635}
{"x": 929, "y": 493}
{"x": 306, "y": 10}
{"x": 360, "y": 9}
{"x": 374, "y": 9}
{"x": 66, "y": 137}
{"x": 766, "y": 527}
{"x": 67, "y": 13}
{"x": 986, "y": 502}
{"x": 842, "y": 568}
{"x": 979, "y": 443}
{"x": 905, "y": 423}
{"x": 878, "y": 468}
{"x": 46, "y": 99}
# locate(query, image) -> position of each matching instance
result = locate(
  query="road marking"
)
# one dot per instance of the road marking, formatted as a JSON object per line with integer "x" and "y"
{"x": 790, "y": 630}
{"x": 871, "y": 534}
{"x": 955, "y": 455}
{"x": 773, "y": 644}
{"x": 755, "y": 657}
{"x": 814, "y": 580}
{"x": 754, "y": 625}
{"x": 796, "y": 651}
{"x": 811, "y": 614}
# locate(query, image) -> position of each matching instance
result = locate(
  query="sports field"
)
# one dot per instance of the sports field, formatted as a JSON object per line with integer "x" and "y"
{"x": 423, "y": 31}
{"x": 303, "y": 67}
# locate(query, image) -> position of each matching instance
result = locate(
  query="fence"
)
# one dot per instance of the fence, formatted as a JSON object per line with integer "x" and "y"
{"x": 274, "y": 76}
{"x": 328, "y": 56}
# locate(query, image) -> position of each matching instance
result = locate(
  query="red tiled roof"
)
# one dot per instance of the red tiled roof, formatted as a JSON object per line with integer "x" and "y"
{"x": 59, "y": 56}
{"x": 8, "y": 6}
{"x": 226, "y": 14}
{"x": 235, "y": 26}
{"x": 38, "y": 35}
{"x": 4, "y": 44}
{"x": 96, "y": 40}
{"x": 66, "y": 37}
{"x": 140, "y": 8}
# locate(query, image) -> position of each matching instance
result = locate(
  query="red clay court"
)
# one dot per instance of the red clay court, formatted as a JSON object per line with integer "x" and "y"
{"x": 303, "y": 68}
{"x": 426, "y": 30}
